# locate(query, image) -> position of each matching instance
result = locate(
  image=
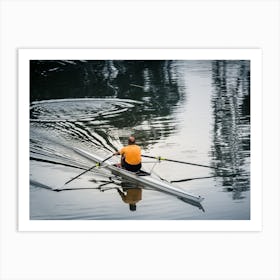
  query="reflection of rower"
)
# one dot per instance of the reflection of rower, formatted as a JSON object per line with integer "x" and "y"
{"x": 131, "y": 196}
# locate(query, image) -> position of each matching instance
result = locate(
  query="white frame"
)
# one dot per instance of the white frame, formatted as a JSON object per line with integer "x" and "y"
{"x": 254, "y": 55}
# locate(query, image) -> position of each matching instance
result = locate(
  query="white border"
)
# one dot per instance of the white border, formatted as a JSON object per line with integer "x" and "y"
{"x": 254, "y": 55}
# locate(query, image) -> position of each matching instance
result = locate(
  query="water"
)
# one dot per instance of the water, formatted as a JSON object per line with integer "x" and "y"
{"x": 194, "y": 111}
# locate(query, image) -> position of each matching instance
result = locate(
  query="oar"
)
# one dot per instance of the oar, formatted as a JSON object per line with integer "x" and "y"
{"x": 96, "y": 165}
{"x": 184, "y": 162}
{"x": 190, "y": 179}
{"x": 198, "y": 178}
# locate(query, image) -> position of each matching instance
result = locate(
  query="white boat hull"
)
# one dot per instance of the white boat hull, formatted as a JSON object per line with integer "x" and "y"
{"x": 147, "y": 181}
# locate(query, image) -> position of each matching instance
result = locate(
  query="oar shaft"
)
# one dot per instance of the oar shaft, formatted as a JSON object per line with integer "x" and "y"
{"x": 183, "y": 162}
{"x": 72, "y": 179}
{"x": 97, "y": 164}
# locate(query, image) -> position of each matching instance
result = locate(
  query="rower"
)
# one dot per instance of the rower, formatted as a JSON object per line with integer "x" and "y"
{"x": 131, "y": 155}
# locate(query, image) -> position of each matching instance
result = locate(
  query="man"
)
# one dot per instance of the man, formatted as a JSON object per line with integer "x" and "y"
{"x": 131, "y": 156}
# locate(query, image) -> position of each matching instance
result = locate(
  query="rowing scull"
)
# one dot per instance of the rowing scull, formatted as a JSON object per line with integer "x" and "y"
{"x": 147, "y": 180}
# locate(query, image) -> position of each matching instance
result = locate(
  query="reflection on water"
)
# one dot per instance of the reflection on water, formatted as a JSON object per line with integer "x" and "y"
{"x": 197, "y": 111}
{"x": 130, "y": 195}
{"x": 231, "y": 107}
{"x": 159, "y": 85}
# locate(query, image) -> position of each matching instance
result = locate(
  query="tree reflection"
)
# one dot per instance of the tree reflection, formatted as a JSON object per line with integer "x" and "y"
{"x": 231, "y": 131}
{"x": 156, "y": 83}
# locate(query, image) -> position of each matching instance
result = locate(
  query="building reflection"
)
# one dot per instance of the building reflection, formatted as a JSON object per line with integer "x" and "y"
{"x": 231, "y": 125}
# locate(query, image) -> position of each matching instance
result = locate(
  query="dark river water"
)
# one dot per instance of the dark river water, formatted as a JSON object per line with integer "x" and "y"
{"x": 194, "y": 111}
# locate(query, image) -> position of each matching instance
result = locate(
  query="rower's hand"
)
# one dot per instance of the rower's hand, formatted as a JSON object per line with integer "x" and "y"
{"x": 116, "y": 153}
